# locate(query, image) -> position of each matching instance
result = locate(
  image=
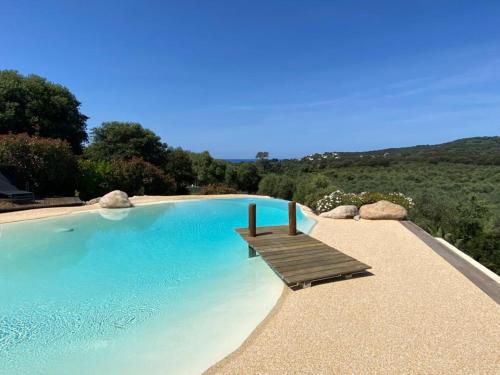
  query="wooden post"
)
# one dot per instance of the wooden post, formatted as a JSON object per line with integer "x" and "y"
{"x": 292, "y": 218}
{"x": 252, "y": 220}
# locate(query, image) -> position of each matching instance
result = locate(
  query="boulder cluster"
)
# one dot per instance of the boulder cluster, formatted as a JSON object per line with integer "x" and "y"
{"x": 382, "y": 210}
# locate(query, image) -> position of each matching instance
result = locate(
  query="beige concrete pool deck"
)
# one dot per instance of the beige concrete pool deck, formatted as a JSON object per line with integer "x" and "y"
{"x": 415, "y": 315}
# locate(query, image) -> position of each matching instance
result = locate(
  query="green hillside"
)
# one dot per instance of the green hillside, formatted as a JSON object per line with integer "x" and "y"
{"x": 455, "y": 186}
{"x": 478, "y": 151}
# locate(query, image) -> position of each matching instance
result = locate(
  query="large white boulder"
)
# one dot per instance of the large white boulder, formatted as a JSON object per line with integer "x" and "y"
{"x": 383, "y": 210}
{"x": 341, "y": 212}
{"x": 115, "y": 199}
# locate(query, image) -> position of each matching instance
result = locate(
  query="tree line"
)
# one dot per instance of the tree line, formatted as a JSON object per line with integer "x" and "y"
{"x": 44, "y": 146}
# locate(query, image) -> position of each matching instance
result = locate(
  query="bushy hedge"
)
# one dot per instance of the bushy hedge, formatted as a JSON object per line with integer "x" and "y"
{"x": 217, "y": 189}
{"x": 93, "y": 178}
{"x": 45, "y": 166}
{"x": 277, "y": 186}
{"x": 134, "y": 176}
{"x": 312, "y": 187}
{"x": 340, "y": 198}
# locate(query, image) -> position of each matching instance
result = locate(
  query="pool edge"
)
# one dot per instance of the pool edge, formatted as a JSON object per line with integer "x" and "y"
{"x": 47, "y": 213}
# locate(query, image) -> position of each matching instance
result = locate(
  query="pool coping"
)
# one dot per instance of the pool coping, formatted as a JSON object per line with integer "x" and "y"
{"x": 479, "y": 275}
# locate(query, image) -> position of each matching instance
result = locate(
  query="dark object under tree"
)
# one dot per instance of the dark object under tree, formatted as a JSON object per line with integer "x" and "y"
{"x": 7, "y": 190}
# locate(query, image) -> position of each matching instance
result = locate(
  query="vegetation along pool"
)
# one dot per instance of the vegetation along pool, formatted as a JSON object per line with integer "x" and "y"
{"x": 164, "y": 288}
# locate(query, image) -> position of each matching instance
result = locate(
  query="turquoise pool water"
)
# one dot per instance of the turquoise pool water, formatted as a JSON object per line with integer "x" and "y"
{"x": 165, "y": 288}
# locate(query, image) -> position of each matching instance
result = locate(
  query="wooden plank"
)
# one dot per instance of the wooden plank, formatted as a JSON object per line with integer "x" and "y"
{"x": 288, "y": 259}
{"x": 271, "y": 253}
{"x": 281, "y": 262}
{"x": 330, "y": 273}
{"x": 318, "y": 268}
{"x": 290, "y": 249}
{"x": 276, "y": 250}
{"x": 282, "y": 243}
{"x": 273, "y": 240}
{"x": 310, "y": 263}
{"x": 282, "y": 246}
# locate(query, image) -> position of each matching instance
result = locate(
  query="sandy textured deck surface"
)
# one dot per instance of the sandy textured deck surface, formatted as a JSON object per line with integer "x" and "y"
{"x": 415, "y": 315}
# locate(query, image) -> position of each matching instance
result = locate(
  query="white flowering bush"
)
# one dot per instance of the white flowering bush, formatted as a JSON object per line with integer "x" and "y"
{"x": 340, "y": 198}
{"x": 337, "y": 198}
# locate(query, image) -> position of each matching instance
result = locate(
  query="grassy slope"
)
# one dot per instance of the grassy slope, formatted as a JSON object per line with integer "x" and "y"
{"x": 418, "y": 178}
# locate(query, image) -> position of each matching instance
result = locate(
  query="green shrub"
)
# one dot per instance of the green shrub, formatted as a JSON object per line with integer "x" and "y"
{"x": 45, "y": 166}
{"x": 92, "y": 180}
{"x": 134, "y": 176}
{"x": 485, "y": 249}
{"x": 278, "y": 186}
{"x": 138, "y": 177}
{"x": 217, "y": 189}
{"x": 207, "y": 170}
{"x": 248, "y": 177}
{"x": 311, "y": 187}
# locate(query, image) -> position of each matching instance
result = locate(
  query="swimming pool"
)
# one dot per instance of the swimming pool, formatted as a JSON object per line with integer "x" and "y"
{"x": 163, "y": 288}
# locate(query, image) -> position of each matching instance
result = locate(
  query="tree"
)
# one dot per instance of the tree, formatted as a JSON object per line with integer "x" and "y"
{"x": 312, "y": 187}
{"x": 262, "y": 162}
{"x": 138, "y": 177}
{"x": 278, "y": 186}
{"x": 32, "y": 105}
{"x": 134, "y": 176}
{"x": 262, "y": 155}
{"x": 179, "y": 165}
{"x": 248, "y": 177}
{"x": 125, "y": 140}
{"x": 231, "y": 177}
{"x": 207, "y": 169}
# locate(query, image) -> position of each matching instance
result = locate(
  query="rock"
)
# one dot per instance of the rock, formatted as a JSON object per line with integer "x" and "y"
{"x": 115, "y": 199}
{"x": 93, "y": 201}
{"x": 341, "y": 212}
{"x": 357, "y": 217}
{"x": 383, "y": 210}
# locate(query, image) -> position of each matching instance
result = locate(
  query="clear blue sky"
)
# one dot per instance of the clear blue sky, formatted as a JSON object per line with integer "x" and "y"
{"x": 290, "y": 77}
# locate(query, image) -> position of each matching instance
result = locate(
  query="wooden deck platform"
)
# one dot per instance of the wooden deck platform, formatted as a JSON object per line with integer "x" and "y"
{"x": 299, "y": 260}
